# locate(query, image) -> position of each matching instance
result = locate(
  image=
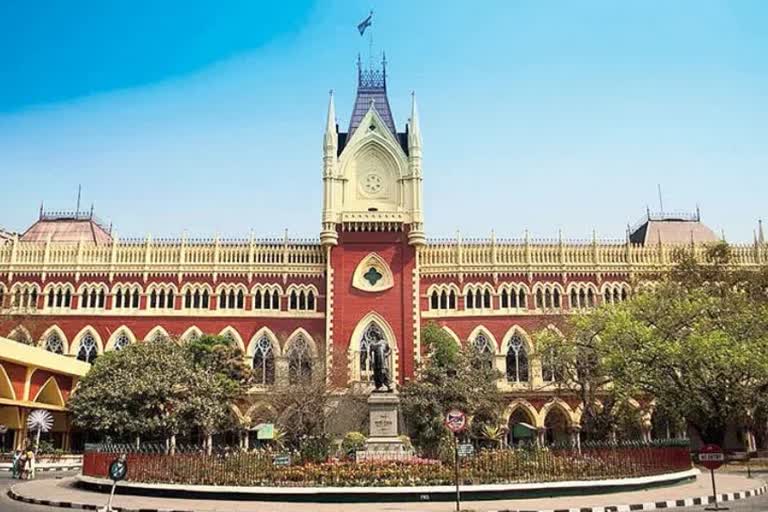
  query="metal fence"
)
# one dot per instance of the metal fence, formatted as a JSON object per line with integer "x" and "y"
{"x": 262, "y": 468}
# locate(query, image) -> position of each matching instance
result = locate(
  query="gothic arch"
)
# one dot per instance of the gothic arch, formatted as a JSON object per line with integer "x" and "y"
{"x": 516, "y": 329}
{"x": 50, "y": 394}
{"x": 155, "y": 332}
{"x": 123, "y": 329}
{"x": 310, "y": 341}
{"x": 191, "y": 333}
{"x": 269, "y": 334}
{"x": 54, "y": 329}
{"x": 481, "y": 329}
{"x": 525, "y": 406}
{"x": 77, "y": 338}
{"x": 571, "y": 416}
{"x": 453, "y": 335}
{"x": 21, "y": 334}
{"x": 6, "y": 386}
{"x": 235, "y": 336}
{"x": 354, "y": 345}
{"x": 260, "y": 406}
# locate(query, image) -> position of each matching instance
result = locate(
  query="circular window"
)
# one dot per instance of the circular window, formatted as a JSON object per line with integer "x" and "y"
{"x": 373, "y": 183}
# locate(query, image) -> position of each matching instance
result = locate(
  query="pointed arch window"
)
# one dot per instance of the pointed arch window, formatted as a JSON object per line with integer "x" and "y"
{"x": 54, "y": 344}
{"x": 517, "y": 360}
{"x": 264, "y": 362}
{"x": 485, "y": 352}
{"x": 88, "y": 349}
{"x": 487, "y": 299}
{"x": 299, "y": 361}
{"x": 372, "y": 334}
{"x": 122, "y": 341}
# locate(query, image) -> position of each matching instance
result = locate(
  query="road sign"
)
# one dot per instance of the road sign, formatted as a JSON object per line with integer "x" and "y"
{"x": 118, "y": 469}
{"x": 466, "y": 450}
{"x": 711, "y": 456}
{"x": 456, "y": 421}
{"x": 281, "y": 459}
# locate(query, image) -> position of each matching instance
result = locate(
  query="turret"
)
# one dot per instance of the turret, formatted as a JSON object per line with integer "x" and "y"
{"x": 328, "y": 235}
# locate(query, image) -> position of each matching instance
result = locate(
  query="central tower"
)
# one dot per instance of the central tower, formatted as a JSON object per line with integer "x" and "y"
{"x": 371, "y": 226}
{"x": 372, "y": 172}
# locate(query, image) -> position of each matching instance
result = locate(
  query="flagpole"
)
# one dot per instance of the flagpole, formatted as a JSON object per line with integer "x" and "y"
{"x": 370, "y": 43}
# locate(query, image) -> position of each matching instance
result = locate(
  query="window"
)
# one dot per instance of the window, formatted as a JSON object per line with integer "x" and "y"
{"x": 264, "y": 362}
{"x": 25, "y": 297}
{"x": 93, "y": 297}
{"x": 442, "y": 298}
{"x": 582, "y": 297}
{"x": 54, "y": 344}
{"x": 512, "y": 298}
{"x": 231, "y": 299}
{"x": 125, "y": 298}
{"x": 517, "y": 360}
{"x": 548, "y": 297}
{"x": 267, "y": 299}
{"x": 485, "y": 351}
{"x": 88, "y": 349}
{"x": 372, "y": 334}
{"x": 299, "y": 361}
{"x": 160, "y": 298}
{"x": 122, "y": 341}
{"x": 301, "y": 299}
{"x": 615, "y": 293}
{"x": 60, "y": 296}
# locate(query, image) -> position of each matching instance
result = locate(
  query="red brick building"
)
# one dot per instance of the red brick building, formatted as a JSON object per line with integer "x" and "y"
{"x": 305, "y": 309}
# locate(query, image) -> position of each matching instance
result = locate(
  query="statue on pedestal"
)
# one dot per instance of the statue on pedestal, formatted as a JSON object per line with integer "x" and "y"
{"x": 379, "y": 351}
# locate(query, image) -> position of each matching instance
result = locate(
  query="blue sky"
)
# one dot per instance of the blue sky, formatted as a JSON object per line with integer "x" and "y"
{"x": 208, "y": 116}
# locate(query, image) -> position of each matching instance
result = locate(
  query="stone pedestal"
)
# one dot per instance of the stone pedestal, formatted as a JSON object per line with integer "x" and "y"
{"x": 383, "y": 415}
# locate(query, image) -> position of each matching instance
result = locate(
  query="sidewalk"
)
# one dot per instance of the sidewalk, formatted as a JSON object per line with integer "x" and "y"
{"x": 729, "y": 486}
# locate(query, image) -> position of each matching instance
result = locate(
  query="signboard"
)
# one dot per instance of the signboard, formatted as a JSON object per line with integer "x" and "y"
{"x": 265, "y": 431}
{"x": 281, "y": 459}
{"x": 711, "y": 456}
{"x": 456, "y": 421}
{"x": 466, "y": 450}
{"x": 118, "y": 469}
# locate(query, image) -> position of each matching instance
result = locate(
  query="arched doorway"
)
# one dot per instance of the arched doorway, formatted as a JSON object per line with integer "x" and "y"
{"x": 522, "y": 430}
{"x": 556, "y": 427}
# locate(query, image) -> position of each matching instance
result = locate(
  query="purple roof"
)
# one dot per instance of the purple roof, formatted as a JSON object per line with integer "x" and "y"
{"x": 371, "y": 86}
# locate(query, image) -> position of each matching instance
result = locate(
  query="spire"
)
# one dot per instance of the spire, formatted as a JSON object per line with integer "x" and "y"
{"x": 371, "y": 85}
{"x": 760, "y": 236}
{"x": 414, "y": 131}
{"x": 331, "y": 137}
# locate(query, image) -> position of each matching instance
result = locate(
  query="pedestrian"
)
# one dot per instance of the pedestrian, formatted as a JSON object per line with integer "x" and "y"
{"x": 22, "y": 465}
{"x": 30, "y": 464}
{"x": 16, "y": 465}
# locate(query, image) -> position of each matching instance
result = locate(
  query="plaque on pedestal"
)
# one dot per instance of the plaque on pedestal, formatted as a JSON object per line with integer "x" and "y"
{"x": 383, "y": 415}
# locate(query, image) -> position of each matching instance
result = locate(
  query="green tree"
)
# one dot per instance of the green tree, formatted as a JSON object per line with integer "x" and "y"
{"x": 576, "y": 358}
{"x": 450, "y": 378}
{"x": 697, "y": 343}
{"x": 138, "y": 391}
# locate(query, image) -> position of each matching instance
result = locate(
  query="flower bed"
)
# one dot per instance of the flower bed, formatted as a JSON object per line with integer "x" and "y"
{"x": 486, "y": 467}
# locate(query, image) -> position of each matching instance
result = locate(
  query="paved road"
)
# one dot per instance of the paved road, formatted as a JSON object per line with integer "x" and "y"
{"x": 8, "y": 505}
{"x": 759, "y": 504}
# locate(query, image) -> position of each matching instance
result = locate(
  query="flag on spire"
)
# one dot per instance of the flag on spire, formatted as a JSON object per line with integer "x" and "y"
{"x": 367, "y": 22}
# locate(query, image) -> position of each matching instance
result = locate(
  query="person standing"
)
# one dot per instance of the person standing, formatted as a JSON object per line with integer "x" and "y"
{"x": 16, "y": 465}
{"x": 31, "y": 464}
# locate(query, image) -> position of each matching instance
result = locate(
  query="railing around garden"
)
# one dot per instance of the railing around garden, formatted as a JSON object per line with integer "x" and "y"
{"x": 485, "y": 467}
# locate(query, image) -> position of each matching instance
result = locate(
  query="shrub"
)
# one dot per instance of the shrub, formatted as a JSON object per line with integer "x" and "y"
{"x": 353, "y": 441}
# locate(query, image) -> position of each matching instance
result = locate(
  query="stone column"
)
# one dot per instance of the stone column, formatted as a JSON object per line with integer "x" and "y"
{"x": 541, "y": 436}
